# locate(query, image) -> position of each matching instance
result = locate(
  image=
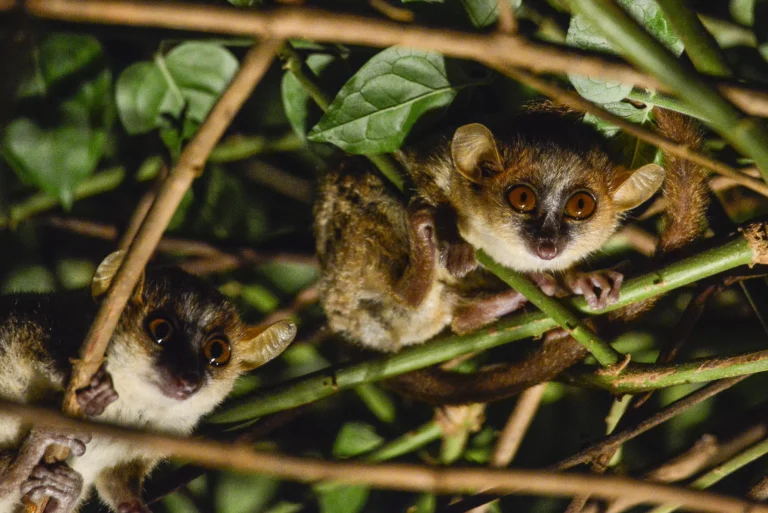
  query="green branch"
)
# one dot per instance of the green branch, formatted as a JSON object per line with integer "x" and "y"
{"x": 700, "y": 46}
{"x": 293, "y": 62}
{"x": 406, "y": 443}
{"x": 644, "y": 377}
{"x": 745, "y": 134}
{"x": 600, "y": 349}
{"x": 241, "y": 147}
{"x": 330, "y": 381}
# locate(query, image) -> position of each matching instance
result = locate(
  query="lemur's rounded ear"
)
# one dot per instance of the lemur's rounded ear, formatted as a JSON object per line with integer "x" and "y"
{"x": 106, "y": 272}
{"x": 473, "y": 150}
{"x": 261, "y": 344}
{"x": 636, "y": 187}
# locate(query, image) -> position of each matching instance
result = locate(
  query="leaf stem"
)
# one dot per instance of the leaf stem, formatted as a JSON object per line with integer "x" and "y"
{"x": 663, "y": 100}
{"x": 600, "y": 349}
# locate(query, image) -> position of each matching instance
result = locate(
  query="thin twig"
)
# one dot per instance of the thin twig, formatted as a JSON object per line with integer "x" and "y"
{"x": 190, "y": 165}
{"x": 242, "y": 458}
{"x": 507, "y": 23}
{"x": 669, "y": 412}
{"x": 207, "y": 257}
{"x": 517, "y": 425}
{"x": 326, "y": 26}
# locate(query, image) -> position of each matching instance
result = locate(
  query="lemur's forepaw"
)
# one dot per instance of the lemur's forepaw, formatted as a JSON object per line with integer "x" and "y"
{"x": 74, "y": 441}
{"x": 99, "y": 393}
{"x": 134, "y": 506}
{"x": 458, "y": 258}
{"x": 422, "y": 219}
{"x": 58, "y": 482}
{"x": 585, "y": 284}
{"x": 548, "y": 284}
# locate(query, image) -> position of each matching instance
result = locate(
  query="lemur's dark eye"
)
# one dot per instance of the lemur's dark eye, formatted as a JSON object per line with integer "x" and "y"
{"x": 160, "y": 329}
{"x": 580, "y": 206}
{"x": 217, "y": 351}
{"x": 522, "y": 198}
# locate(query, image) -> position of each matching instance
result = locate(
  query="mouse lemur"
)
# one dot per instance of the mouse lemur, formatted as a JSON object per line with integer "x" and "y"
{"x": 175, "y": 355}
{"x": 538, "y": 192}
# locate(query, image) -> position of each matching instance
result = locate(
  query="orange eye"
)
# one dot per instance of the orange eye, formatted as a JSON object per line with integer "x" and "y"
{"x": 522, "y": 198}
{"x": 217, "y": 351}
{"x": 160, "y": 329}
{"x": 580, "y": 206}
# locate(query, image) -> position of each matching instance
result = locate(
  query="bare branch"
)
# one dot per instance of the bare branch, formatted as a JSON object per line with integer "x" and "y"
{"x": 242, "y": 458}
{"x": 325, "y": 26}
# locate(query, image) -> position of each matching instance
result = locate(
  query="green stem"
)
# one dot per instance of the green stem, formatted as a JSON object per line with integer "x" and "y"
{"x": 644, "y": 377}
{"x": 405, "y": 444}
{"x": 380, "y": 404}
{"x": 745, "y": 134}
{"x": 663, "y": 100}
{"x": 718, "y": 473}
{"x": 244, "y": 147}
{"x": 600, "y": 349}
{"x": 701, "y": 47}
{"x": 293, "y": 62}
{"x": 327, "y": 382}
{"x": 100, "y": 182}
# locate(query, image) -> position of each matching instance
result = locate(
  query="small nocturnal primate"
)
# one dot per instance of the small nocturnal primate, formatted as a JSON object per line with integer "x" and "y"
{"x": 177, "y": 350}
{"x": 539, "y": 193}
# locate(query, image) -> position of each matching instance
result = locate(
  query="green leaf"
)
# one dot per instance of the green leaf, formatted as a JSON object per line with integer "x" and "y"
{"x": 742, "y": 11}
{"x": 582, "y": 34}
{"x": 187, "y": 82}
{"x": 426, "y": 503}
{"x": 56, "y": 157}
{"x": 342, "y": 498}
{"x": 355, "y": 438}
{"x": 483, "y": 13}
{"x": 377, "y": 107}
{"x": 237, "y": 493}
{"x": 59, "y": 56}
{"x": 299, "y": 107}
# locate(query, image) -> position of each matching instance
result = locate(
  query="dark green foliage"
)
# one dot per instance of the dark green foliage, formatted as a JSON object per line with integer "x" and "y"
{"x": 161, "y": 87}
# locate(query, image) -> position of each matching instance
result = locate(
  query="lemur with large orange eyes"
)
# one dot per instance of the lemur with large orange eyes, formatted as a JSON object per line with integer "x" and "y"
{"x": 177, "y": 350}
{"x": 539, "y": 193}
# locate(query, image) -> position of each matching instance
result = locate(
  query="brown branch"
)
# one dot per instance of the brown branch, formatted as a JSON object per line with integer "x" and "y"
{"x": 517, "y": 425}
{"x": 208, "y": 258}
{"x": 242, "y": 458}
{"x": 574, "y": 101}
{"x": 507, "y": 23}
{"x": 326, "y": 26}
{"x": 141, "y": 210}
{"x": 190, "y": 165}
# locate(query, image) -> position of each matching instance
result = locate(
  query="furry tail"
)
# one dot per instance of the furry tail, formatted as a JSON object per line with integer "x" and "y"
{"x": 685, "y": 188}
